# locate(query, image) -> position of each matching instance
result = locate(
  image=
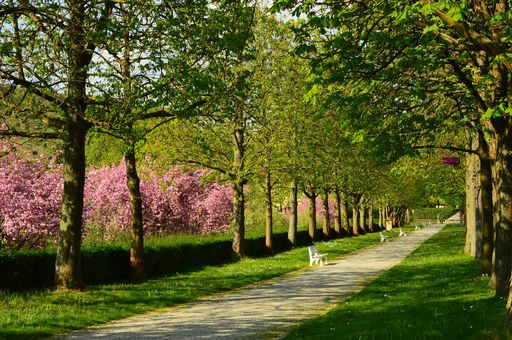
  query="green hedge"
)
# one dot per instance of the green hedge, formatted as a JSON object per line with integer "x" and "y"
{"x": 432, "y": 213}
{"x": 35, "y": 270}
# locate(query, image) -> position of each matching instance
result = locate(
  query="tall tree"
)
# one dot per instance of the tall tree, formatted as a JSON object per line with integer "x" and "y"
{"x": 52, "y": 53}
{"x": 226, "y": 121}
{"x": 438, "y": 47}
{"x": 58, "y": 51}
{"x": 141, "y": 102}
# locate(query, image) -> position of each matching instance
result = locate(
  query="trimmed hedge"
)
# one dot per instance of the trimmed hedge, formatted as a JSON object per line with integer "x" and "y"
{"x": 35, "y": 270}
{"x": 432, "y": 213}
{"x": 25, "y": 270}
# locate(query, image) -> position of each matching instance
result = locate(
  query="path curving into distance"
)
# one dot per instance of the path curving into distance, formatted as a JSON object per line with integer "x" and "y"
{"x": 267, "y": 308}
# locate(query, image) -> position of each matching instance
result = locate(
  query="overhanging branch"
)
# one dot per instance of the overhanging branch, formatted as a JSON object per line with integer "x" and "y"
{"x": 445, "y": 147}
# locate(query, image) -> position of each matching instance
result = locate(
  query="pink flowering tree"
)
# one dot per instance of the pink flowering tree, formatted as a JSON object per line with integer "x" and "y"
{"x": 176, "y": 201}
{"x": 213, "y": 210}
{"x": 30, "y": 195}
{"x": 304, "y": 206}
{"x": 106, "y": 204}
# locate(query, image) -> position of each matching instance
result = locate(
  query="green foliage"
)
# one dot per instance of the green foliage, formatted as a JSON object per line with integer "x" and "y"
{"x": 424, "y": 180}
{"x": 399, "y": 83}
{"x": 103, "y": 150}
{"x": 434, "y": 213}
{"x": 436, "y": 293}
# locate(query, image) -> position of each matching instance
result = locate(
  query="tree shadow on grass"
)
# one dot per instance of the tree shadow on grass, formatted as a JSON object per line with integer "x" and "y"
{"x": 435, "y": 294}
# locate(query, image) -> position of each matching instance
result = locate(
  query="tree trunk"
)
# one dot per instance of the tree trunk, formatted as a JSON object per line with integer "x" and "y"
{"x": 473, "y": 206}
{"x": 408, "y": 216}
{"x": 238, "y": 218}
{"x": 68, "y": 266}
{"x": 503, "y": 245}
{"x": 493, "y": 152}
{"x": 292, "y": 228}
{"x": 344, "y": 215}
{"x": 326, "y": 220}
{"x": 370, "y": 218}
{"x": 355, "y": 214}
{"x": 337, "y": 212}
{"x": 312, "y": 213}
{"x": 238, "y": 184}
{"x": 68, "y": 263}
{"x": 362, "y": 217}
{"x": 268, "y": 213}
{"x": 381, "y": 217}
{"x": 136, "y": 227}
{"x": 487, "y": 230}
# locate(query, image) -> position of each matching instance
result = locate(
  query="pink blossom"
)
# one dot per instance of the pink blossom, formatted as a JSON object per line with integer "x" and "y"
{"x": 174, "y": 201}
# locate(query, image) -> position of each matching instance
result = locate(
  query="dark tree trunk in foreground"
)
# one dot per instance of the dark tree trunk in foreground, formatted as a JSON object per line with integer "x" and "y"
{"x": 268, "y": 213}
{"x": 326, "y": 220}
{"x": 68, "y": 264}
{"x": 503, "y": 245}
{"x": 292, "y": 227}
{"x": 136, "y": 224}
{"x": 487, "y": 242}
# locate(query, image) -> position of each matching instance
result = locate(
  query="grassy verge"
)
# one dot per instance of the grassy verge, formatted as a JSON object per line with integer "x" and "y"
{"x": 436, "y": 293}
{"x": 44, "y": 314}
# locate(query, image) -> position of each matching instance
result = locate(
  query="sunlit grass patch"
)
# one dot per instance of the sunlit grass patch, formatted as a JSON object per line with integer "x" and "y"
{"x": 436, "y": 293}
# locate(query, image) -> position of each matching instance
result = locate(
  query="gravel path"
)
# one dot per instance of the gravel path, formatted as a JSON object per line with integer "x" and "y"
{"x": 267, "y": 309}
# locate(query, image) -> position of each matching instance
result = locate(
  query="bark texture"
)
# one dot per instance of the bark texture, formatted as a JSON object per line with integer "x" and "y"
{"x": 356, "y": 228}
{"x": 486, "y": 200}
{"x": 68, "y": 266}
{"x": 503, "y": 246}
{"x": 473, "y": 207}
{"x": 292, "y": 227}
{"x": 238, "y": 218}
{"x": 238, "y": 184}
{"x": 337, "y": 212}
{"x": 326, "y": 220}
{"x": 68, "y": 263}
{"x": 312, "y": 213}
{"x": 268, "y": 213}
{"x": 362, "y": 217}
{"x": 370, "y": 218}
{"x": 345, "y": 216}
{"x": 136, "y": 224}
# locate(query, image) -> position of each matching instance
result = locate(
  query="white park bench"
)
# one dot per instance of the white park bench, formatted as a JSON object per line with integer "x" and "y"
{"x": 315, "y": 257}
{"x": 383, "y": 238}
{"x": 402, "y": 232}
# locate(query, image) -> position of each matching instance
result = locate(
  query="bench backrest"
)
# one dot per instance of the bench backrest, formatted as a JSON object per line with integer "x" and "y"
{"x": 313, "y": 250}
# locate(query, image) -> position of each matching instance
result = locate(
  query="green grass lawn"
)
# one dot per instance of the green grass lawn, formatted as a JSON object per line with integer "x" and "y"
{"x": 436, "y": 293}
{"x": 44, "y": 314}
